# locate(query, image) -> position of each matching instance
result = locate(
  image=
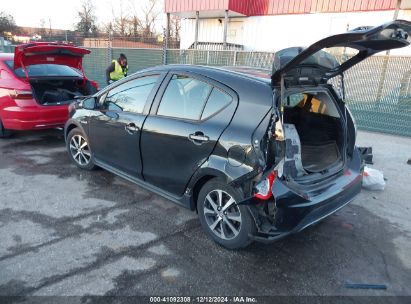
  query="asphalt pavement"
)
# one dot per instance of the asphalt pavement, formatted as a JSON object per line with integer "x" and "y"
{"x": 64, "y": 231}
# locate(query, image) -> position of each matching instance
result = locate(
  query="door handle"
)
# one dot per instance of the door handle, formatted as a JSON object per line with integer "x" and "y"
{"x": 131, "y": 128}
{"x": 198, "y": 137}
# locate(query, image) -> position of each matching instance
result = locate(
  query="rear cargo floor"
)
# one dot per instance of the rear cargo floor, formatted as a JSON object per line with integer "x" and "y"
{"x": 319, "y": 156}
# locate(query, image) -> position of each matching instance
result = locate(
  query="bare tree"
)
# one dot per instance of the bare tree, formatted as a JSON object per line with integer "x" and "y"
{"x": 42, "y": 30}
{"x": 120, "y": 22}
{"x": 150, "y": 15}
{"x": 134, "y": 26}
{"x": 134, "y": 21}
{"x": 7, "y": 23}
{"x": 87, "y": 19}
{"x": 108, "y": 27}
{"x": 175, "y": 27}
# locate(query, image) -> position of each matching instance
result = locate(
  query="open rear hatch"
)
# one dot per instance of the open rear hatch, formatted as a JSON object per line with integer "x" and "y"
{"x": 317, "y": 61}
{"x": 314, "y": 126}
{"x": 312, "y": 168}
{"x": 54, "y": 70}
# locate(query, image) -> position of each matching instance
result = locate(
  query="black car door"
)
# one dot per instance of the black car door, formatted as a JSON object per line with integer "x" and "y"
{"x": 116, "y": 127}
{"x": 184, "y": 125}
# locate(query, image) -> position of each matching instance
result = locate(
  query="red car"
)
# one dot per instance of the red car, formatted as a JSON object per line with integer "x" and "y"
{"x": 38, "y": 83}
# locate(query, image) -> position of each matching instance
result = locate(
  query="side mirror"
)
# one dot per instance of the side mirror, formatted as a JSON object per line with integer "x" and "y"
{"x": 89, "y": 103}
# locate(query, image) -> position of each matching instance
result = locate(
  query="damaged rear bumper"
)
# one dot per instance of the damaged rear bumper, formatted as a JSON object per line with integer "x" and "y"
{"x": 297, "y": 210}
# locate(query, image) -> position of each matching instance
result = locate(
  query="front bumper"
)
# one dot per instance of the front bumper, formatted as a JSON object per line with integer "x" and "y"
{"x": 298, "y": 209}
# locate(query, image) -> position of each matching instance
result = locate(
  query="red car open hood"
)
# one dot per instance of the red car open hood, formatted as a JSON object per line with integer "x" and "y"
{"x": 49, "y": 53}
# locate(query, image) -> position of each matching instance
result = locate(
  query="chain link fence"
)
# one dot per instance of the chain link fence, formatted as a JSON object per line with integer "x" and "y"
{"x": 379, "y": 94}
{"x": 378, "y": 90}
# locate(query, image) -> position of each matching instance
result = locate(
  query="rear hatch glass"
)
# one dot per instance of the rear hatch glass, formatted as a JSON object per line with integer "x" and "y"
{"x": 45, "y": 70}
{"x": 319, "y": 62}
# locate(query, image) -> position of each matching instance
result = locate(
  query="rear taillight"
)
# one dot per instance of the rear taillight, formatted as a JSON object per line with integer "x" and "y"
{"x": 20, "y": 94}
{"x": 95, "y": 85}
{"x": 263, "y": 190}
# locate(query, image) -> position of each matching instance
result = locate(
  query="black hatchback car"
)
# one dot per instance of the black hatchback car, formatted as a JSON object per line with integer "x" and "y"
{"x": 257, "y": 157}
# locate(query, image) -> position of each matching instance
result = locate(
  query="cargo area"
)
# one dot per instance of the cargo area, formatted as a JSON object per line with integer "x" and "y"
{"x": 59, "y": 91}
{"x": 313, "y": 132}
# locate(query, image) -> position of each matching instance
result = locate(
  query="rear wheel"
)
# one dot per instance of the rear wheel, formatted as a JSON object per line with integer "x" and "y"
{"x": 4, "y": 132}
{"x": 225, "y": 222}
{"x": 79, "y": 150}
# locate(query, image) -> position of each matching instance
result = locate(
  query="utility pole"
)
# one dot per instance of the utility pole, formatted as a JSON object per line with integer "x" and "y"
{"x": 397, "y": 9}
{"x": 386, "y": 59}
{"x": 167, "y": 36}
{"x": 225, "y": 29}
{"x": 196, "y": 29}
{"x": 49, "y": 28}
{"x": 396, "y": 12}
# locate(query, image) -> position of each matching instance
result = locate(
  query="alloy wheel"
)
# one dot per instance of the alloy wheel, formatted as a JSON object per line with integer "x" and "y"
{"x": 222, "y": 214}
{"x": 79, "y": 150}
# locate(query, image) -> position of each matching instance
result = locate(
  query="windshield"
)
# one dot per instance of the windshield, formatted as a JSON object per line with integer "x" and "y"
{"x": 45, "y": 70}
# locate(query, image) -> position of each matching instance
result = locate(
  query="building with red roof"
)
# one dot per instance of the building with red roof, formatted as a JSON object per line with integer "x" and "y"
{"x": 269, "y": 25}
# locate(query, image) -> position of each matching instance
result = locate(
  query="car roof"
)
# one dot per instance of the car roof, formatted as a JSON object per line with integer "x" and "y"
{"x": 262, "y": 74}
{"x": 248, "y": 87}
{"x": 241, "y": 73}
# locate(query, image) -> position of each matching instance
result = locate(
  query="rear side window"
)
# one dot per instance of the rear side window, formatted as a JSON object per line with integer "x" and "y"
{"x": 217, "y": 101}
{"x": 45, "y": 70}
{"x": 184, "y": 97}
{"x": 130, "y": 96}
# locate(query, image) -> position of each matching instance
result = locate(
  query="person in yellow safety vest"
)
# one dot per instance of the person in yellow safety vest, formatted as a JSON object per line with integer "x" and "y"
{"x": 117, "y": 69}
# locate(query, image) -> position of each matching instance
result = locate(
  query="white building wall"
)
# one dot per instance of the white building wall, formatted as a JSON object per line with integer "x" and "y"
{"x": 210, "y": 30}
{"x": 272, "y": 33}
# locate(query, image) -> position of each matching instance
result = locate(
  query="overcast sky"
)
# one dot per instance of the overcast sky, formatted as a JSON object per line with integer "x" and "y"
{"x": 63, "y": 13}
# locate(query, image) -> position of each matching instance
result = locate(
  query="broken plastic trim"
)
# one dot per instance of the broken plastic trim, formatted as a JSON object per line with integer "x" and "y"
{"x": 264, "y": 187}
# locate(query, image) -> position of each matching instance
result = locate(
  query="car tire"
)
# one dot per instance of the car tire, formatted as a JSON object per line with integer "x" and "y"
{"x": 4, "y": 132}
{"x": 79, "y": 150}
{"x": 227, "y": 223}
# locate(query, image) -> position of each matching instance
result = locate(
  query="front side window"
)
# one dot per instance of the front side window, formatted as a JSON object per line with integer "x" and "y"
{"x": 184, "y": 98}
{"x": 130, "y": 96}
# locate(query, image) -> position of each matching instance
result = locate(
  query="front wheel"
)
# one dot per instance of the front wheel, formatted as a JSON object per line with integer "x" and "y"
{"x": 79, "y": 150}
{"x": 225, "y": 222}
